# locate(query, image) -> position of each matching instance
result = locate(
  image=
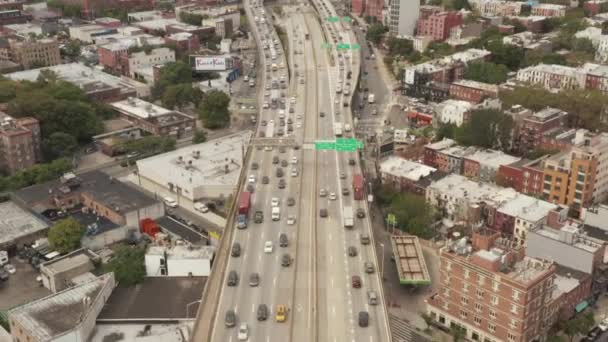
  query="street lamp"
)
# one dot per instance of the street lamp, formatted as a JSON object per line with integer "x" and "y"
{"x": 188, "y": 307}
{"x": 382, "y": 263}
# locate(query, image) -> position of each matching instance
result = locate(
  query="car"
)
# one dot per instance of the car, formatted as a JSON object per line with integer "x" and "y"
{"x": 251, "y": 178}
{"x": 265, "y": 180}
{"x": 289, "y": 121}
{"x": 342, "y": 175}
{"x": 236, "y": 250}
{"x": 364, "y": 238}
{"x": 372, "y": 297}
{"x": 243, "y": 334}
{"x": 322, "y": 114}
{"x": 322, "y": 192}
{"x": 286, "y": 260}
{"x": 352, "y": 251}
{"x": 283, "y": 240}
{"x": 363, "y": 319}
{"x": 360, "y": 213}
{"x": 284, "y": 163}
{"x": 603, "y": 325}
{"x": 294, "y": 172}
{"x": 282, "y": 149}
{"x": 262, "y": 312}
{"x": 369, "y": 267}
{"x": 10, "y": 268}
{"x": 255, "y": 166}
{"x": 323, "y": 212}
{"x": 291, "y": 220}
{"x": 351, "y": 162}
{"x": 233, "y": 278}
{"x": 282, "y": 184}
{"x": 258, "y": 217}
{"x": 291, "y": 201}
{"x": 254, "y": 279}
{"x": 230, "y": 319}
{"x": 268, "y": 247}
{"x": 275, "y": 160}
{"x": 345, "y": 192}
{"x": 294, "y": 160}
{"x": 279, "y": 172}
{"x": 281, "y": 313}
{"x": 250, "y": 188}
{"x": 332, "y": 196}
{"x": 292, "y": 100}
{"x": 275, "y": 201}
{"x": 170, "y": 202}
{"x": 198, "y": 206}
{"x": 356, "y": 281}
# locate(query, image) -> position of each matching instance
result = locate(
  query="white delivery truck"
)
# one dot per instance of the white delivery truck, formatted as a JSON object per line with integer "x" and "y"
{"x": 276, "y": 213}
{"x": 338, "y": 129}
{"x": 347, "y": 215}
{"x": 371, "y": 98}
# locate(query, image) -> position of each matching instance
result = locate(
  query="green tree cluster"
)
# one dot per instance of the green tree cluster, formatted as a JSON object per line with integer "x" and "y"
{"x": 399, "y": 46}
{"x": 488, "y": 128}
{"x": 150, "y": 145}
{"x": 67, "y": 10}
{"x": 534, "y": 57}
{"x": 486, "y": 72}
{"x": 413, "y": 214}
{"x": 213, "y": 109}
{"x": 375, "y": 32}
{"x": 72, "y": 49}
{"x": 174, "y": 86}
{"x": 191, "y": 18}
{"x": 64, "y": 236}
{"x": 128, "y": 265}
{"x": 586, "y": 108}
{"x": 181, "y": 95}
{"x": 579, "y": 325}
{"x": 36, "y": 174}
{"x": 199, "y": 137}
{"x": 460, "y": 4}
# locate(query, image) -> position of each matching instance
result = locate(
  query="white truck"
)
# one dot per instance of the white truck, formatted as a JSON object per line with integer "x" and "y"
{"x": 371, "y": 98}
{"x": 348, "y": 216}
{"x": 338, "y": 129}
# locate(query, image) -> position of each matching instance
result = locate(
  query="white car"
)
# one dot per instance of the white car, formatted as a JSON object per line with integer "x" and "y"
{"x": 271, "y": 122}
{"x": 293, "y": 100}
{"x": 243, "y": 334}
{"x": 294, "y": 172}
{"x": 274, "y": 202}
{"x": 170, "y": 202}
{"x": 299, "y": 125}
{"x": 603, "y": 325}
{"x": 198, "y": 206}
{"x": 268, "y": 247}
{"x": 294, "y": 160}
{"x": 291, "y": 220}
{"x": 299, "y": 116}
{"x": 10, "y": 268}
{"x": 251, "y": 178}
{"x": 332, "y": 196}
{"x": 322, "y": 193}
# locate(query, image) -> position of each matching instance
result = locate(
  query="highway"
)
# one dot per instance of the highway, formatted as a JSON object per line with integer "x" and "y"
{"x": 316, "y": 287}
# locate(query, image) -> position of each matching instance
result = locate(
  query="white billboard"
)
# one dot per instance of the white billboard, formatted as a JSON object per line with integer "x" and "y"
{"x": 210, "y": 63}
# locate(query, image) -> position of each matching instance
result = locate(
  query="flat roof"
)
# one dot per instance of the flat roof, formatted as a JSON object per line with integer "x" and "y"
{"x": 405, "y": 168}
{"x": 492, "y": 158}
{"x": 180, "y": 230}
{"x": 183, "y": 252}
{"x": 140, "y": 108}
{"x": 410, "y": 262}
{"x": 58, "y": 313}
{"x": 458, "y": 186}
{"x": 132, "y": 332}
{"x": 156, "y": 24}
{"x": 218, "y": 163}
{"x": 477, "y": 85}
{"x": 527, "y": 208}
{"x": 16, "y": 222}
{"x": 440, "y": 145}
{"x": 146, "y": 300}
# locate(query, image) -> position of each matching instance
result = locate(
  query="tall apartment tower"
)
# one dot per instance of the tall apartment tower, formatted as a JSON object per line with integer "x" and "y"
{"x": 19, "y": 143}
{"x": 403, "y": 16}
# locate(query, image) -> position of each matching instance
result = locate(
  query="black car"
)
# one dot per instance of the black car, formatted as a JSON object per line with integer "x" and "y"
{"x": 322, "y": 114}
{"x": 286, "y": 260}
{"x": 254, "y": 279}
{"x": 275, "y": 160}
{"x": 279, "y": 172}
{"x": 265, "y": 180}
{"x": 323, "y": 212}
{"x": 345, "y": 192}
{"x": 230, "y": 318}
{"x": 255, "y": 166}
{"x": 258, "y": 217}
{"x": 236, "y": 250}
{"x": 282, "y": 184}
{"x": 233, "y": 278}
{"x": 352, "y": 251}
{"x": 363, "y": 319}
{"x": 284, "y": 163}
{"x": 283, "y": 240}
{"x": 351, "y": 162}
{"x": 360, "y": 213}
{"x": 291, "y": 202}
{"x": 262, "y": 312}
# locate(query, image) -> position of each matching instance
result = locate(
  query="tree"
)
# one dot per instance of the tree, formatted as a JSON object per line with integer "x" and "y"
{"x": 413, "y": 214}
{"x": 72, "y": 49}
{"x": 488, "y": 128}
{"x": 399, "y": 47}
{"x": 583, "y": 45}
{"x": 36, "y": 174}
{"x": 458, "y": 333}
{"x": 428, "y": 320}
{"x": 59, "y": 144}
{"x": 128, "y": 265}
{"x": 180, "y": 95}
{"x": 64, "y": 236}
{"x": 486, "y": 72}
{"x": 199, "y": 137}
{"x": 171, "y": 74}
{"x": 191, "y": 18}
{"x": 375, "y": 32}
{"x": 150, "y": 145}
{"x": 461, "y": 4}
{"x": 579, "y": 325}
{"x": 213, "y": 109}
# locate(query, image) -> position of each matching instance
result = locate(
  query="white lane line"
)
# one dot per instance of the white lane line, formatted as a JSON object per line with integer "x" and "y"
{"x": 252, "y": 307}
{"x": 371, "y": 339}
{"x": 230, "y": 339}
{"x": 236, "y": 309}
{"x": 274, "y": 281}
{"x": 331, "y": 259}
{"x": 260, "y": 258}
{"x": 267, "y": 338}
{"x": 333, "y": 310}
{"x": 332, "y": 281}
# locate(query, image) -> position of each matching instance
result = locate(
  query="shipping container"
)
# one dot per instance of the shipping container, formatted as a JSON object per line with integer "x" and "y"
{"x": 358, "y": 187}
{"x": 244, "y": 203}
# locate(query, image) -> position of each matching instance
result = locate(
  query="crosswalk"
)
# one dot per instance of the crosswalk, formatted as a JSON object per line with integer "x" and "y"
{"x": 400, "y": 329}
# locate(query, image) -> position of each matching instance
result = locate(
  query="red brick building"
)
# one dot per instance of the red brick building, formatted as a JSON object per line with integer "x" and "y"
{"x": 110, "y": 56}
{"x": 532, "y": 128}
{"x": 593, "y": 7}
{"x": 357, "y": 7}
{"x": 438, "y": 25}
{"x": 19, "y": 143}
{"x": 431, "y": 152}
{"x": 184, "y": 41}
{"x": 525, "y": 176}
{"x": 493, "y": 291}
{"x": 472, "y": 91}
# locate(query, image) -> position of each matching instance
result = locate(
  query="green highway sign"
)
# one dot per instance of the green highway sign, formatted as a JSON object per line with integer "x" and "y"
{"x": 355, "y": 46}
{"x": 343, "y": 46}
{"x": 340, "y": 145}
{"x": 333, "y": 19}
{"x": 325, "y": 145}
{"x": 346, "y": 19}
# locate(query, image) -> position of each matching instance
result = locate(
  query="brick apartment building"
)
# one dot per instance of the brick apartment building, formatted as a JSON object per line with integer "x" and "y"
{"x": 184, "y": 41}
{"x": 92, "y": 8}
{"x": 493, "y": 291}
{"x": 13, "y": 16}
{"x": 35, "y": 53}
{"x": 357, "y": 7}
{"x": 594, "y": 7}
{"x": 525, "y": 176}
{"x": 549, "y": 10}
{"x": 19, "y": 143}
{"x": 11, "y": 5}
{"x": 532, "y": 127}
{"x": 560, "y": 77}
{"x": 406, "y": 175}
{"x": 438, "y": 25}
{"x": 472, "y": 91}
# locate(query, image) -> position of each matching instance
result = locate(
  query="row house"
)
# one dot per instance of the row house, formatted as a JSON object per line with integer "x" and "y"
{"x": 595, "y": 7}
{"x": 549, "y": 10}
{"x": 483, "y": 165}
{"x": 499, "y": 8}
{"x": 472, "y": 91}
{"x": 525, "y": 176}
{"x": 405, "y": 175}
{"x": 532, "y": 127}
{"x": 599, "y": 41}
{"x": 438, "y": 25}
{"x": 558, "y": 77}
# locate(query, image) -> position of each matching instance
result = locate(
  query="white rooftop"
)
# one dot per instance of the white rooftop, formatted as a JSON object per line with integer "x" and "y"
{"x": 460, "y": 187}
{"x": 440, "y": 145}
{"x": 492, "y": 158}
{"x": 219, "y": 163}
{"x": 565, "y": 284}
{"x": 132, "y": 332}
{"x": 404, "y": 168}
{"x": 157, "y": 24}
{"x": 137, "y": 107}
{"x": 24, "y": 29}
{"x": 477, "y": 85}
{"x": 527, "y": 208}
{"x": 16, "y": 222}
{"x": 440, "y": 63}
{"x": 183, "y": 252}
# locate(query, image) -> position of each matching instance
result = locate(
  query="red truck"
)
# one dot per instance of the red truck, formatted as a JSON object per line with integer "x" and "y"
{"x": 358, "y": 187}
{"x": 244, "y": 203}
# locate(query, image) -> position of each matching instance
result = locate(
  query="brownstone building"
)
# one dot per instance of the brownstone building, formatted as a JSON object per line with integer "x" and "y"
{"x": 494, "y": 292}
{"x": 472, "y": 91}
{"x": 35, "y": 53}
{"x": 19, "y": 143}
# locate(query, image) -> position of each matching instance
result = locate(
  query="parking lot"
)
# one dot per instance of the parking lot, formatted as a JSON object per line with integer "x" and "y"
{"x": 21, "y": 287}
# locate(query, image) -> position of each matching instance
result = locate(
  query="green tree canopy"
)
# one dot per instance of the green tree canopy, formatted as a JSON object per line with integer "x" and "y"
{"x": 486, "y": 72}
{"x": 488, "y": 128}
{"x": 180, "y": 95}
{"x": 72, "y": 49}
{"x": 199, "y": 137}
{"x": 191, "y": 18}
{"x": 399, "y": 47}
{"x": 171, "y": 74}
{"x": 128, "y": 265}
{"x": 375, "y": 32}
{"x": 150, "y": 145}
{"x": 64, "y": 236}
{"x": 59, "y": 144}
{"x": 213, "y": 109}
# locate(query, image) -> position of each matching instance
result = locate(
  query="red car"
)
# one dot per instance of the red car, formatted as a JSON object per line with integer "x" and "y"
{"x": 356, "y": 282}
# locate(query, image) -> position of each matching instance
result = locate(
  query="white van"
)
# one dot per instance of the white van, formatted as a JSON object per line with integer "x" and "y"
{"x": 276, "y": 213}
{"x": 170, "y": 202}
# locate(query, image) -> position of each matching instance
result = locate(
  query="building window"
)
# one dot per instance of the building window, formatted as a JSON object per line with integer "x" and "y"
{"x": 513, "y": 324}
{"x": 495, "y": 286}
{"x": 492, "y": 327}
{"x": 478, "y": 307}
{"x": 481, "y": 280}
{"x": 480, "y": 293}
{"x": 492, "y": 314}
{"x": 515, "y": 295}
{"x": 464, "y": 300}
{"x": 466, "y": 274}
{"x": 449, "y": 266}
{"x": 463, "y": 314}
{"x": 477, "y": 320}
{"x": 465, "y": 287}
{"x": 446, "y": 291}
{"x": 511, "y": 337}
{"x": 514, "y": 308}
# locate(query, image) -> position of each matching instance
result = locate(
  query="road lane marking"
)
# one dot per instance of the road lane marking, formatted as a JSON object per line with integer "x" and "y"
{"x": 274, "y": 281}
{"x": 236, "y": 309}
{"x": 252, "y": 307}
